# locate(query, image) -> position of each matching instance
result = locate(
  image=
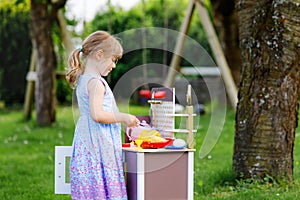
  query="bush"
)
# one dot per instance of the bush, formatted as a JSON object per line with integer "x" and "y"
{"x": 15, "y": 50}
{"x": 63, "y": 92}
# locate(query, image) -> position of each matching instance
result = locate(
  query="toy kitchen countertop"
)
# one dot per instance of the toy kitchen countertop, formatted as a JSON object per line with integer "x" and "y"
{"x": 160, "y": 150}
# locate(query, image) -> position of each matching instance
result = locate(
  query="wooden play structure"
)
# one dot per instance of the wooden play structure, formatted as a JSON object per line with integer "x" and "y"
{"x": 214, "y": 44}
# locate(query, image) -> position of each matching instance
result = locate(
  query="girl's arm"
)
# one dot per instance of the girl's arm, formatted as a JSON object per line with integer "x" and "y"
{"x": 96, "y": 92}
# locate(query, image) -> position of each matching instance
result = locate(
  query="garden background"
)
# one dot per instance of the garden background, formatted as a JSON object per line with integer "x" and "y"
{"x": 27, "y": 148}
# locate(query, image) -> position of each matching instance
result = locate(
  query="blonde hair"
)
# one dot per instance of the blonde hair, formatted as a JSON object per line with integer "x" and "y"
{"x": 94, "y": 42}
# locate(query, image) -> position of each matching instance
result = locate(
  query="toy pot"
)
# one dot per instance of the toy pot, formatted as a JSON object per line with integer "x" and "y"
{"x": 133, "y": 132}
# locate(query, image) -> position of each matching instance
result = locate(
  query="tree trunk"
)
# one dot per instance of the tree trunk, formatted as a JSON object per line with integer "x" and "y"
{"x": 43, "y": 14}
{"x": 226, "y": 22}
{"x": 267, "y": 110}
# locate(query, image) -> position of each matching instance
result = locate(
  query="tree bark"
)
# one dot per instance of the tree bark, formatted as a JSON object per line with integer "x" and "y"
{"x": 43, "y": 14}
{"x": 226, "y": 22}
{"x": 267, "y": 109}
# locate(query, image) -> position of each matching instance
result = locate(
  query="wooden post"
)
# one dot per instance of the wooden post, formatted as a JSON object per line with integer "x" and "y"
{"x": 65, "y": 35}
{"x": 179, "y": 45}
{"x": 189, "y": 118}
{"x": 29, "y": 95}
{"x": 189, "y": 126}
{"x": 144, "y": 41}
{"x": 218, "y": 53}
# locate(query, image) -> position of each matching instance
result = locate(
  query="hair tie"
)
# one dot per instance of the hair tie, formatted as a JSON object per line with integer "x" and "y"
{"x": 80, "y": 49}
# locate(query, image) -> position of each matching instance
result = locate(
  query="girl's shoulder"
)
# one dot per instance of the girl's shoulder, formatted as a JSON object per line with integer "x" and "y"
{"x": 86, "y": 78}
{"x": 89, "y": 81}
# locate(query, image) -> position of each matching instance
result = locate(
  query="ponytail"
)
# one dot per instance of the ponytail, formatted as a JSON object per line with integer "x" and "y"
{"x": 75, "y": 68}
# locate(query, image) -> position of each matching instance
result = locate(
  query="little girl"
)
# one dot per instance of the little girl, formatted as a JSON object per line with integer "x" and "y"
{"x": 96, "y": 170}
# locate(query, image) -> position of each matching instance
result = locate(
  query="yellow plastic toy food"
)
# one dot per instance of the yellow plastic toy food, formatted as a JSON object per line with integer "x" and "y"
{"x": 151, "y": 136}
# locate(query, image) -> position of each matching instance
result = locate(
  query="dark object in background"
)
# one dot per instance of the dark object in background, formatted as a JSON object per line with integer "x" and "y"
{"x": 199, "y": 109}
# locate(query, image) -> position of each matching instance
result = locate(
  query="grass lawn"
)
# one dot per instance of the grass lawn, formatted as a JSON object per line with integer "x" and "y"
{"x": 27, "y": 161}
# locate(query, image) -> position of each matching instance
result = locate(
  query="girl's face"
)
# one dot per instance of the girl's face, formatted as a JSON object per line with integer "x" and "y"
{"x": 109, "y": 65}
{"x": 106, "y": 64}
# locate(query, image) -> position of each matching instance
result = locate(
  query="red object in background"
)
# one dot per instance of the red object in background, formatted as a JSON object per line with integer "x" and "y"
{"x": 145, "y": 93}
{"x": 157, "y": 95}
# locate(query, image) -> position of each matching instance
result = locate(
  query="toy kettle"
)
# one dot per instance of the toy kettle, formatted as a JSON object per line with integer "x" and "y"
{"x": 133, "y": 132}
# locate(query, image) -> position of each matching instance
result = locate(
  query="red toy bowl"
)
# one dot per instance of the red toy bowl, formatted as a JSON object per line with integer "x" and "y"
{"x": 156, "y": 145}
{"x": 126, "y": 145}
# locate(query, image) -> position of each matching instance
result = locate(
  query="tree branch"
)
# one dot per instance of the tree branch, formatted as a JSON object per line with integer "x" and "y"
{"x": 56, "y": 5}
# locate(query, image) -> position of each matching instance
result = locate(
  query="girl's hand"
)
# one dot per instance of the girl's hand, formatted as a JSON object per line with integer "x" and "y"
{"x": 132, "y": 121}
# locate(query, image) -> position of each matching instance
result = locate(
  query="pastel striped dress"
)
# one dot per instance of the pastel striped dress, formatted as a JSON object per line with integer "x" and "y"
{"x": 96, "y": 170}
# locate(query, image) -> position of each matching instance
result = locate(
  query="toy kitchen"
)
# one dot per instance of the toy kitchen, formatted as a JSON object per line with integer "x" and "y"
{"x": 157, "y": 164}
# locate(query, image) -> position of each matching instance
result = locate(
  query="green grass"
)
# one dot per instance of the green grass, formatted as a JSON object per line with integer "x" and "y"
{"x": 27, "y": 161}
{"x": 27, "y": 155}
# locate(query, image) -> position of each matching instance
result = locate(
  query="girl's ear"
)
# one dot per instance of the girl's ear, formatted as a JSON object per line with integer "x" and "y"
{"x": 99, "y": 54}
